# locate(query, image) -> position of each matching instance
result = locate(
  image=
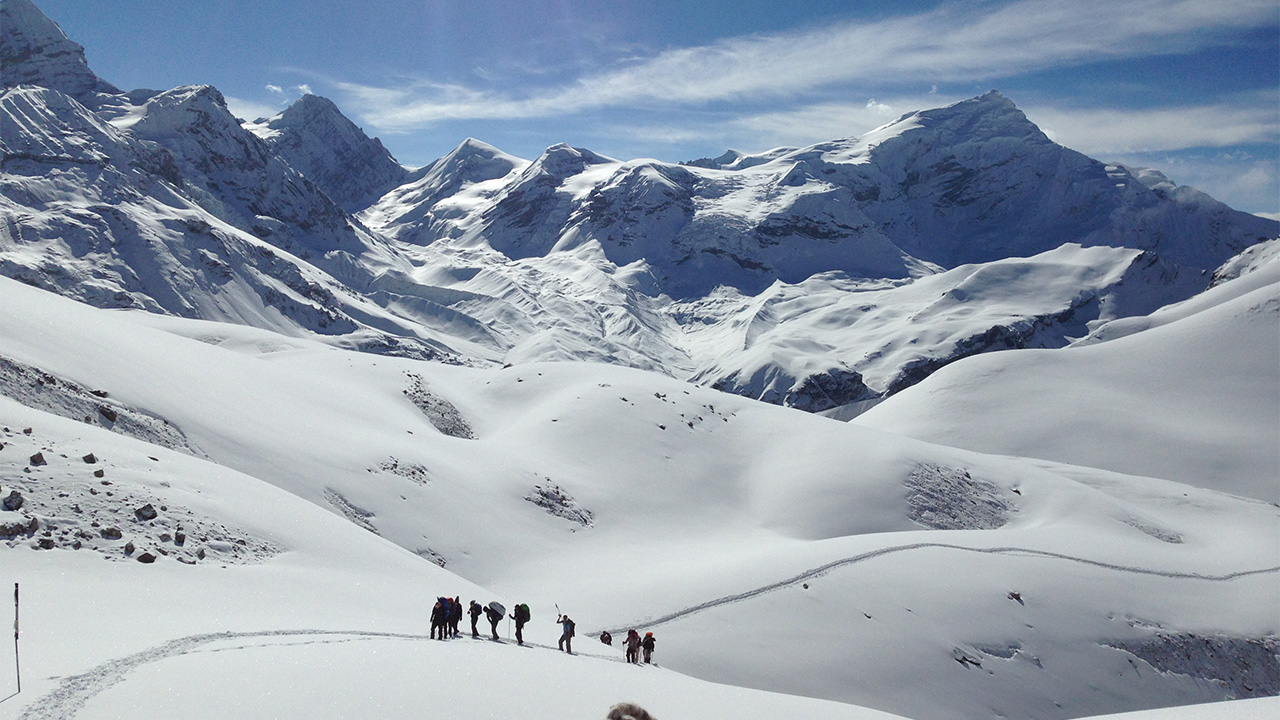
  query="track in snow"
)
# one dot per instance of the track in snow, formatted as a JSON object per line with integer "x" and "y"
{"x": 73, "y": 692}
{"x": 823, "y": 569}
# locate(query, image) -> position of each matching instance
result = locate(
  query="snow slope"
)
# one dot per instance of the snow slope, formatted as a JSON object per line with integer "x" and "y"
{"x": 764, "y": 547}
{"x": 1193, "y": 398}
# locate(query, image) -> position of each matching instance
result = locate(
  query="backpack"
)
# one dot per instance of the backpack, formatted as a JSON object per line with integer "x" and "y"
{"x": 572, "y": 625}
{"x": 522, "y": 613}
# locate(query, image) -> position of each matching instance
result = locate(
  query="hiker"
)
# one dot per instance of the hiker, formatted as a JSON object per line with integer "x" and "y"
{"x": 521, "y": 616}
{"x": 475, "y": 611}
{"x": 566, "y": 637}
{"x": 437, "y": 619}
{"x": 494, "y": 617}
{"x": 606, "y": 638}
{"x": 633, "y": 646}
{"x": 647, "y": 644}
{"x": 455, "y": 615}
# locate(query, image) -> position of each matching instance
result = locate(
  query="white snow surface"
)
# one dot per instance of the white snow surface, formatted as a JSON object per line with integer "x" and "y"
{"x": 1191, "y": 398}
{"x": 765, "y": 548}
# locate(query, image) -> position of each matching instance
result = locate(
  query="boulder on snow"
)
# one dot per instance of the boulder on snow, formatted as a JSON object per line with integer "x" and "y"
{"x": 38, "y": 459}
{"x": 112, "y": 533}
{"x": 107, "y": 413}
{"x": 14, "y": 501}
{"x": 146, "y": 512}
{"x": 90, "y": 458}
{"x": 147, "y": 558}
{"x": 99, "y": 473}
{"x": 19, "y": 527}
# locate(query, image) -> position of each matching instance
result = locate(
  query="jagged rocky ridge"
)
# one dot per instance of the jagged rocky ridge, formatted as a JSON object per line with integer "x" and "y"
{"x": 815, "y": 277}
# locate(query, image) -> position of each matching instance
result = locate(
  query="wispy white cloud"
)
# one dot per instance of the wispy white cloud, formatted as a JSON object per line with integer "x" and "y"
{"x": 248, "y": 109}
{"x": 1112, "y": 131}
{"x": 275, "y": 89}
{"x": 970, "y": 41}
{"x": 304, "y": 89}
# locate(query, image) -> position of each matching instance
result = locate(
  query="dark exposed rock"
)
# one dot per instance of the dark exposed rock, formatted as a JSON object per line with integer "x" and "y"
{"x": 112, "y": 533}
{"x": 90, "y": 458}
{"x": 1242, "y": 667}
{"x": 99, "y": 473}
{"x": 19, "y": 527}
{"x": 107, "y": 413}
{"x": 37, "y": 459}
{"x": 13, "y": 501}
{"x": 146, "y": 558}
{"x": 146, "y": 512}
{"x": 826, "y": 390}
{"x": 129, "y": 547}
{"x": 46, "y": 543}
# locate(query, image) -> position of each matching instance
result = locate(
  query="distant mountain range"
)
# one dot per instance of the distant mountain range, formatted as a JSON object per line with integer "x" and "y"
{"x": 821, "y": 278}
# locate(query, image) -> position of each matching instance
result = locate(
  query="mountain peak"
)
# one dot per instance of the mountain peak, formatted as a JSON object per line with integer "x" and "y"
{"x": 35, "y": 51}
{"x": 316, "y": 139}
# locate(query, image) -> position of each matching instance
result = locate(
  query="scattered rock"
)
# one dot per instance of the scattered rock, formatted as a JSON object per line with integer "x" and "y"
{"x": 146, "y": 558}
{"x": 19, "y": 527}
{"x": 112, "y": 533}
{"x": 37, "y": 459}
{"x": 98, "y": 393}
{"x": 129, "y": 548}
{"x": 99, "y": 473}
{"x": 146, "y": 512}
{"x": 1016, "y": 596}
{"x": 90, "y": 458}
{"x": 46, "y": 543}
{"x": 13, "y": 501}
{"x": 107, "y": 413}
{"x": 179, "y": 538}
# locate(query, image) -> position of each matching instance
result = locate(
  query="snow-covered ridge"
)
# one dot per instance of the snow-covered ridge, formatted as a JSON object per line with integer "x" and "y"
{"x": 685, "y": 269}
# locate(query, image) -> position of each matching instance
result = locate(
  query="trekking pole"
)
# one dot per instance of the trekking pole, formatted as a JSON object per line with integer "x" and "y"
{"x": 17, "y": 667}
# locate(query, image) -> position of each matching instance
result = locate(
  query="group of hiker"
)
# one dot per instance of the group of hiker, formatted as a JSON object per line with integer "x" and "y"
{"x": 634, "y": 645}
{"x": 447, "y": 613}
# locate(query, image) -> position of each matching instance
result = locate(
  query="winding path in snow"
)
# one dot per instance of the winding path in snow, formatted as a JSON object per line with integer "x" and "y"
{"x": 872, "y": 554}
{"x": 71, "y": 693}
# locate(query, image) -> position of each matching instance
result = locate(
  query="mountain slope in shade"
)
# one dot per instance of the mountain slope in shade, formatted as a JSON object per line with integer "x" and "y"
{"x": 35, "y": 51}
{"x": 317, "y": 140}
{"x": 1193, "y": 398}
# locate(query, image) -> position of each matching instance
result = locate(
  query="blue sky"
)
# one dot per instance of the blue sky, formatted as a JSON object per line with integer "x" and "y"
{"x": 1186, "y": 86}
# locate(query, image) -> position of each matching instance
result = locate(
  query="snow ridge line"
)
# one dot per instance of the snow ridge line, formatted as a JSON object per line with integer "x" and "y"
{"x": 823, "y": 569}
{"x": 73, "y": 692}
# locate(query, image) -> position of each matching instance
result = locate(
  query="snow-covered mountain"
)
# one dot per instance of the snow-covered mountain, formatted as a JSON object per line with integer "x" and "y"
{"x": 729, "y": 272}
{"x": 315, "y": 138}
{"x": 35, "y": 51}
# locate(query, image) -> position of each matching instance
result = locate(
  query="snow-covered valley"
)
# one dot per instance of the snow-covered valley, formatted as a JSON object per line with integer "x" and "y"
{"x": 265, "y": 395}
